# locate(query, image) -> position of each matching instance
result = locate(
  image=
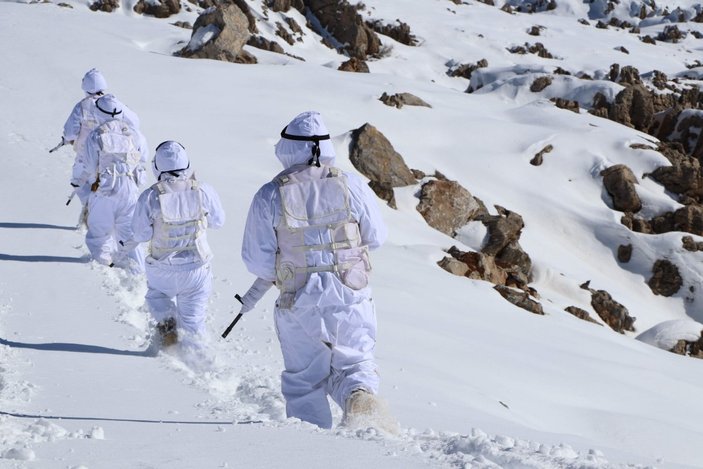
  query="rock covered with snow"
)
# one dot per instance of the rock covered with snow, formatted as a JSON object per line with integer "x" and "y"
{"x": 220, "y": 33}
{"x": 667, "y": 335}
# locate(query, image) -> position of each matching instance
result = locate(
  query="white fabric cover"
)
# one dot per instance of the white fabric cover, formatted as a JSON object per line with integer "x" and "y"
{"x": 148, "y": 210}
{"x": 93, "y": 81}
{"x": 111, "y": 207}
{"x": 179, "y": 284}
{"x": 170, "y": 156}
{"x": 182, "y": 295}
{"x": 327, "y": 338}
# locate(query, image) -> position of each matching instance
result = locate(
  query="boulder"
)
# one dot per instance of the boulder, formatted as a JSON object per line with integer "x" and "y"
{"x": 157, "y": 8}
{"x": 520, "y": 299}
{"x": 345, "y": 24}
{"x": 220, "y": 33}
{"x": 354, "y": 65}
{"x": 620, "y": 181}
{"x": 373, "y": 156}
{"x": 633, "y": 107}
{"x": 447, "y": 206}
{"x": 666, "y": 279}
{"x": 611, "y": 312}
{"x": 107, "y": 6}
{"x": 402, "y": 99}
{"x": 581, "y": 314}
{"x": 538, "y": 159}
{"x": 625, "y": 253}
{"x": 503, "y": 229}
{"x": 285, "y": 5}
{"x": 540, "y": 83}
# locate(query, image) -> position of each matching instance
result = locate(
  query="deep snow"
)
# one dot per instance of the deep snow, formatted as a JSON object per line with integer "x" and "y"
{"x": 473, "y": 380}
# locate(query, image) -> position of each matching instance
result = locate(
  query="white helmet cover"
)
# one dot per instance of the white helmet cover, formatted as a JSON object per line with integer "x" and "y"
{"x": 93, "y": 82}
{"x": 304, "y": 137}
{"x": 170, "y": 156}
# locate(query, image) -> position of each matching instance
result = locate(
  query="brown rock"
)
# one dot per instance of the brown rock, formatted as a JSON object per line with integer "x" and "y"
{"x": 666, "y": 279}
{"x": 611, "y": 312}
{"x": 519, "y": 298}
{"x": 402, "y": 99}
{"x": 625, "y": 253}
{"x": 447, "y": 206}
{"x": 373, "y": 155}
{"x": 620, "y": 182}
{"x": 354, "y": 65}
{"x": 581, "y": 314}
{"x": 231, "y": 32}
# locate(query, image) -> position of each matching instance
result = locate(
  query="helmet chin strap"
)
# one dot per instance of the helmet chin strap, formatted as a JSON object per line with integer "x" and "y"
{"x": 312, "y": 138}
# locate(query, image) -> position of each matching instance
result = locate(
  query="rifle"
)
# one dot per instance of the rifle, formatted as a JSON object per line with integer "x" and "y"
{"x": 62, "y": 143}
{"x": 236, "y": 319}
{"x": 70, "y": 197}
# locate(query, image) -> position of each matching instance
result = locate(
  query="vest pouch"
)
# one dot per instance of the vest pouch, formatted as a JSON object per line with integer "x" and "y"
{"x": 203, "y": 248}
{"x": 285, "y": 277}
{"x": 179, "y": 207}
{"x": 354, "y": 267}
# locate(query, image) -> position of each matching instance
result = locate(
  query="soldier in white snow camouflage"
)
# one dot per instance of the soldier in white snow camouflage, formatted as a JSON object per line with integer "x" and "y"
{"x": 308, "y": 232}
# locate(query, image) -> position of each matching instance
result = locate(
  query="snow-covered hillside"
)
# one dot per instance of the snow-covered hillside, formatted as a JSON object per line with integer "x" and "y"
{"x": 473, "y": 380}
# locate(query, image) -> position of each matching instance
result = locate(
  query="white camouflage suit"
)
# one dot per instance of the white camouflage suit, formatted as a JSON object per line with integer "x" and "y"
{"x": 115, "y": 154}
{"x": 327, "y": 329}
{"x": 80, "y": 124}
{"x": 173, "y": 215}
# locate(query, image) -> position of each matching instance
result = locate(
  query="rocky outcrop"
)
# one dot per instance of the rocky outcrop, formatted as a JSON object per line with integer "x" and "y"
{"x": 447, "y": 206}
{"x": 285, "y": 5}
{"x": 624, "y": 253}
{"x": 373, "y": 156}
{"x": 633, "y": 107}
{"x": 690, "y": 244}
{"x": 354, "y": 65}
{"x": 688, "y": 219}
{"x": 220, "y": 33}
{"x": 538, "y": 159}
{"x": 157, "y": 8}
{"x": 666, "y": 279}
{"x": 540, "y": 83}
{"x": 610, "y": 311}
{"x": 520, "y": 299}
{"x": 619, "y": 182}
{"x": 107, "y": 6}
{"x": 262, "y": 43}
{"x": 402, "y": 99}
{"x": 399, "y": 32}
{"x": 343, "y": 21}
{"x": 684, "y": 176}
{"x": 465, "y": 70}
{"x": 501, "y": 260}
{"x": 581, "y": 314}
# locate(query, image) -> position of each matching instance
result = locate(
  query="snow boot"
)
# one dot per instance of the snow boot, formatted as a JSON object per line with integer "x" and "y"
{"x": 167, "y": 332}
{"x": 363, "y": 410}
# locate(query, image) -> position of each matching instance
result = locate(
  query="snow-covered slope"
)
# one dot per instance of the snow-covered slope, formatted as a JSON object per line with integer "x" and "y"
{"x": 473, "y": 380}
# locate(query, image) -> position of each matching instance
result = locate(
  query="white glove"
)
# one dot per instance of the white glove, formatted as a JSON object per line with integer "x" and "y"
{"x": 254, "y": 294}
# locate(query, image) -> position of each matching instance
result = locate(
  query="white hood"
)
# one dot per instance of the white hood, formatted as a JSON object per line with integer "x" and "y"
{"x": 294, "y": 152}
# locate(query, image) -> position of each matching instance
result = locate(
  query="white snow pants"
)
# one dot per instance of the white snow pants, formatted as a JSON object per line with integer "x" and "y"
{"x": 179, "y": 294}
{"x": 110, "y": 221}
{"x": 326, "y": 351}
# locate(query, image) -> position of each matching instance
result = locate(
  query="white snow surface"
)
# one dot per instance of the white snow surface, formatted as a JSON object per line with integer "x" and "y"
{"x": 474, "y": 381}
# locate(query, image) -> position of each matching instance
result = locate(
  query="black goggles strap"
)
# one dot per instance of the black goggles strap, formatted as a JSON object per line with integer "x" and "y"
{"x": 312, "y": 138}
{"x": 112, "y": 113}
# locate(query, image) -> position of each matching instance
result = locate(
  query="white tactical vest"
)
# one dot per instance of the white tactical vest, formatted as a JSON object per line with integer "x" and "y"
{"x": 316, "y": 223}
{"x": 119, "y": 155}
{"x": 182, "y": 223}
{"x": 88, "y": 123}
